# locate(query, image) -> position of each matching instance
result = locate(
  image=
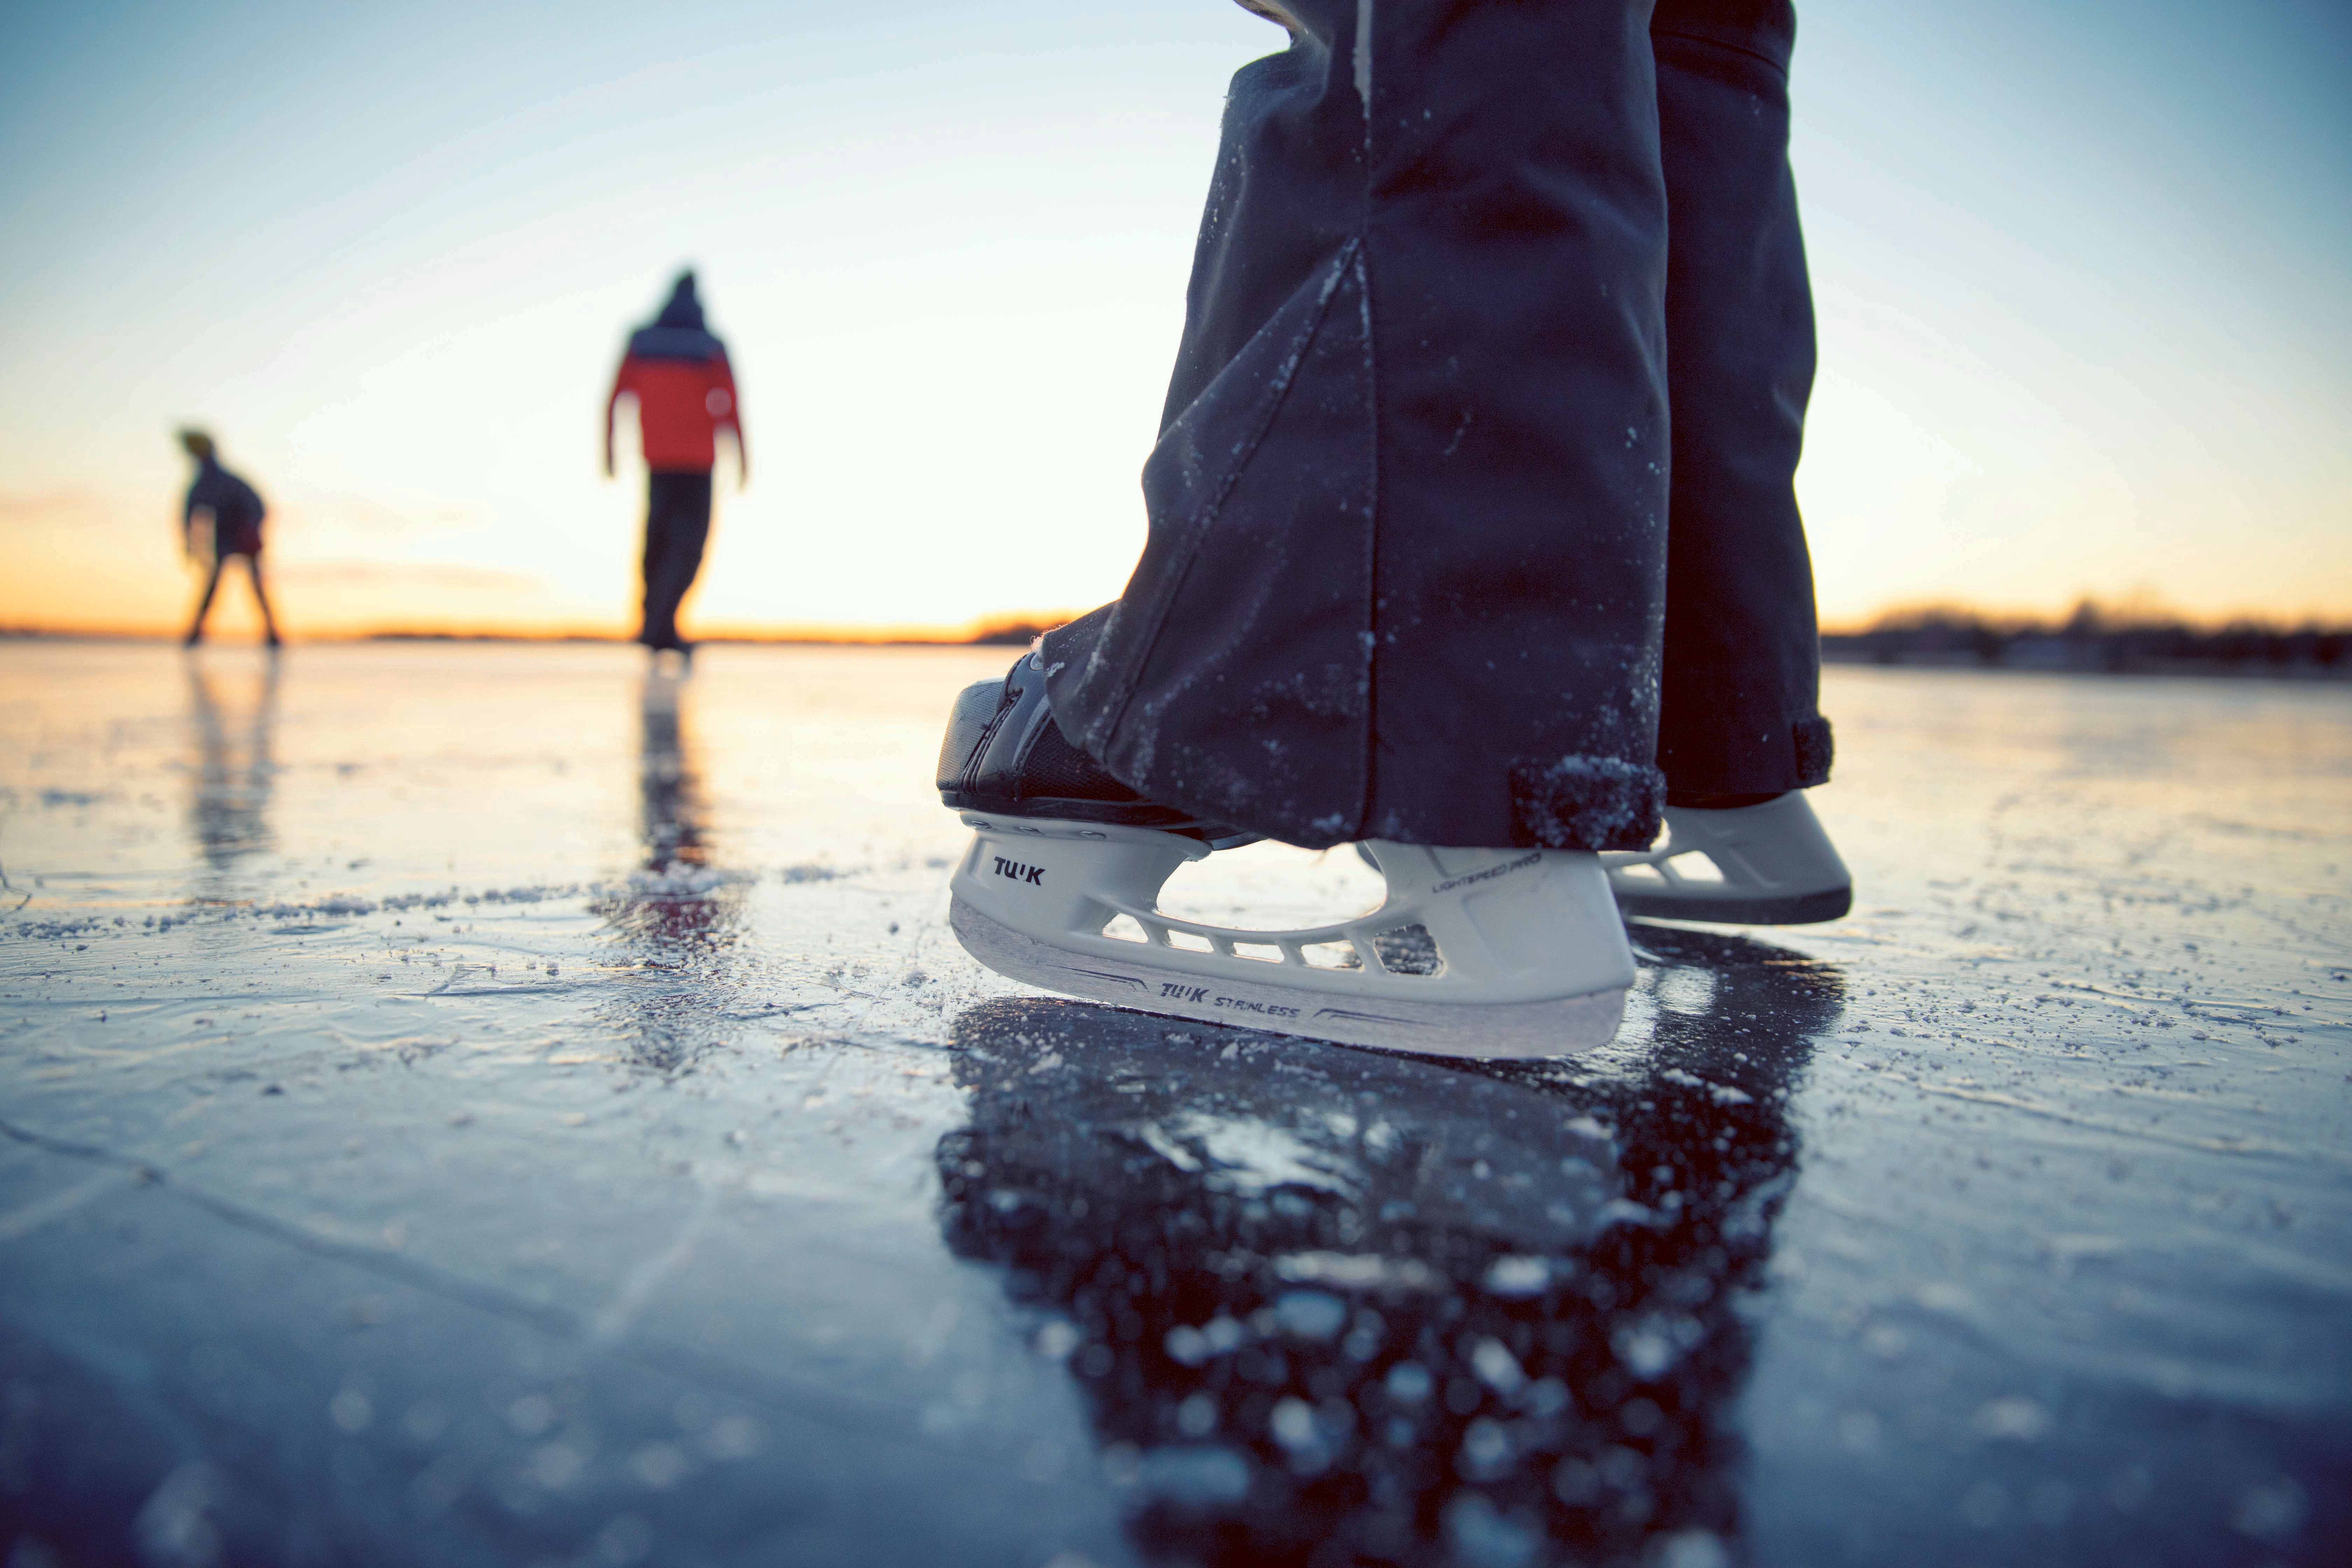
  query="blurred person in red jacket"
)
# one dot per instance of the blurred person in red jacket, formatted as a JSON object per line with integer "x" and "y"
{"x": 677, "y": 372}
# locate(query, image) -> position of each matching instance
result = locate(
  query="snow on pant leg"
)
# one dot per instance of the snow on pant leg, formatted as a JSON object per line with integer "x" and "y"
{"x": 1742, "y": 668}
{"x": 1405, "y": 569}
{"x": 677, "y": 522}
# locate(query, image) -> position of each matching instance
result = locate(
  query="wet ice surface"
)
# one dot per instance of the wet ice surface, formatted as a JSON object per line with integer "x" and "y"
{"x": 476, "y": 1105}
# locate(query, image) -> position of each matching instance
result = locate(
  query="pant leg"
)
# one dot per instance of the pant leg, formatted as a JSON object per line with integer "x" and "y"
{"x": 677, "y": 526}
{"x": 205, "y": 600}
{"x": 649, "y": 557}
{"x": 1742, "y": 670}
{"x": 252, "y": 559}
{"x": 1405, "y": 568}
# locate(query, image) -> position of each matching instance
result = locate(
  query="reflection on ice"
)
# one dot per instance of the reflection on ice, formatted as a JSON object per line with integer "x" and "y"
{"x": 228, "y": 808}
{"x": 471, "y": 1104}
{"x": 676, "y": 917}
{"x": 1343, "y": 1304}
{"x": 669, "y": 780}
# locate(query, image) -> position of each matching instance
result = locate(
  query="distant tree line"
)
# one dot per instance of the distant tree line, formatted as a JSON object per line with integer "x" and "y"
{"x": 2093, "y": 637}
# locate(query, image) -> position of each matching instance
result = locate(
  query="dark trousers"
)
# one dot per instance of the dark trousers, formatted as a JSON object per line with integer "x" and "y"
{"x": 677, "y": 525}
{"x": 251, "y": 556}
{"x": 1471, "y": 518}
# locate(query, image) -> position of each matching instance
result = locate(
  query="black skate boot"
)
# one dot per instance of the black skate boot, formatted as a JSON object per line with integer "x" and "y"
{"x": 1003, "y": 755}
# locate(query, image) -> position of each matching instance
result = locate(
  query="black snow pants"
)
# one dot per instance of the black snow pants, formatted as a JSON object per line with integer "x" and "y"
{"x": 1471, "y": 518}
{"x": 677, "y": 524}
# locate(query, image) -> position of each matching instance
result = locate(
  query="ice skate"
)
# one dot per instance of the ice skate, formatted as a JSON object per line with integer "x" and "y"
{"x": 1473, "y": 952}
{"x": 1773, "y": 864}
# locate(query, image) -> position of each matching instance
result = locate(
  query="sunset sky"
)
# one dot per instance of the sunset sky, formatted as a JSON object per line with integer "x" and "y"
{"x": 2081, "y": 273}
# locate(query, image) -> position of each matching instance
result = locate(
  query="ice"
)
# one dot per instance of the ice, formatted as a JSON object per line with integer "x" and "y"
{"x": 1310, "y": 1314}
{"x": 482, "y": 1104}
{"x": 1517, "y": 1276}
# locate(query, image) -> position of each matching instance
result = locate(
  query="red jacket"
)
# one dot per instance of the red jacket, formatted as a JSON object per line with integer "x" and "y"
{"x": 684, "y": 400}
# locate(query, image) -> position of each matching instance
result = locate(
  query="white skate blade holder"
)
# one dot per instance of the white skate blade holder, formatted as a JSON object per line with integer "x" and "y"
{"x": 1529, "y": 956}
{"x": 1774, "y": 863}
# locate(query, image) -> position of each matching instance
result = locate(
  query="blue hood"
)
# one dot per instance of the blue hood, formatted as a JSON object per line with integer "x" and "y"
{"x": 678, "y": 332}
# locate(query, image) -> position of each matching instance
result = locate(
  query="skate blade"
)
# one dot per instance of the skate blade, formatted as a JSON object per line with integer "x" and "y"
{"x": 1733, "y": 909}
{"x": 1483, "y": 1030}
{"x": 1774, "y": 865}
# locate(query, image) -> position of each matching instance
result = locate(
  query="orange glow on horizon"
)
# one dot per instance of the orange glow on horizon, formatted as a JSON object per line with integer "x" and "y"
{"x": 234, "y": 620}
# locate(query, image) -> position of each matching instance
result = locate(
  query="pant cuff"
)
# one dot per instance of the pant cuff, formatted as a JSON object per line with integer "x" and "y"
{"x": 1816, "y": 750}
{"x": 1587, "y": 802}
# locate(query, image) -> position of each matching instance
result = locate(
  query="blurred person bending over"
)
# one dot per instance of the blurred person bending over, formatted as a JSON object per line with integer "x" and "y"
{"x": 231, "y": 513}
{"x": 677, "y": 372}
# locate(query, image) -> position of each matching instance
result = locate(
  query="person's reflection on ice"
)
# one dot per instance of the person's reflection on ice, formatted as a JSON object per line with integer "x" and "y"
{"x": 228, "y": 808}
{"x": 1341, "y": 1306}
{"x": 670, "y": 781}
{"x": 678, "y": 913}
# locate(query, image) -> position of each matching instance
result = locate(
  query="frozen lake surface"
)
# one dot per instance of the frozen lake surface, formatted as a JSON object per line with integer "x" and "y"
{"x": 478, "y": 1105}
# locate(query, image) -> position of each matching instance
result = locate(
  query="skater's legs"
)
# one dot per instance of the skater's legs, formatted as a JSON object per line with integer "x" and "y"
{"x": 1406, "y": 568}
{"x": 649, "y": 558}
{"x": 205, "y": 602}
{"x": 261, "y": 597}
{"x": 677, "y": 525}
{"x": 1406, "y": 580}
{"x": 1741, "y": 665}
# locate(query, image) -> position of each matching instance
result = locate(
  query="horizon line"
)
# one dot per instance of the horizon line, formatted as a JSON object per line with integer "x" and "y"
{"x": 979, "y": 632}
{"x": 1022, "y": 626}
